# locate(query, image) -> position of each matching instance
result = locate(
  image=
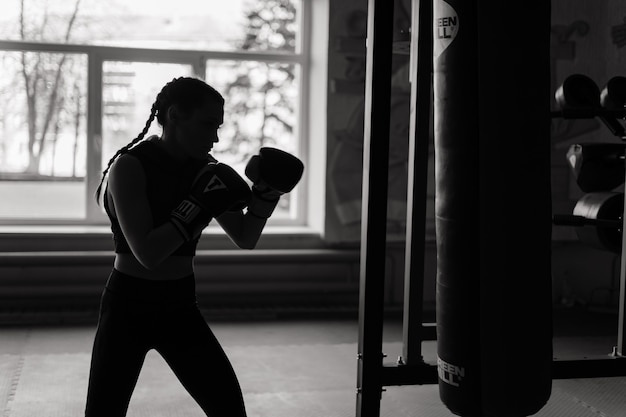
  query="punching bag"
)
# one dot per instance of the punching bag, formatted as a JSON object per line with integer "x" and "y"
{"x": 493, "y": 206}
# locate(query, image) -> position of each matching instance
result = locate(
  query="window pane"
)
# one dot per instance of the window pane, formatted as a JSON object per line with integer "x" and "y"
{"x": 182, "y": 24}
{"x": 42, "y": 135}
{"x": 128, "y": 91}
{"x": 260, "y": 110}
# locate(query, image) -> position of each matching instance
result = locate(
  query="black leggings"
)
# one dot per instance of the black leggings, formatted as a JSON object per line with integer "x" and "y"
{"x": 137, "y": 315}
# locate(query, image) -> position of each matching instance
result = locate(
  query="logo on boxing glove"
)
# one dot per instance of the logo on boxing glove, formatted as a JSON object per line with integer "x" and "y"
{"x": 186, "y": 210}
{"x": 214, "y": 184}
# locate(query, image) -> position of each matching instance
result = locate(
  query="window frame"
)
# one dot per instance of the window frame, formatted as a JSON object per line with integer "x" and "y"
{"x": 97, "y": 55}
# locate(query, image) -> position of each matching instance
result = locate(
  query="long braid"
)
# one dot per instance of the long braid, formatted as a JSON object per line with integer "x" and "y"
{"x": 123, "y": 150}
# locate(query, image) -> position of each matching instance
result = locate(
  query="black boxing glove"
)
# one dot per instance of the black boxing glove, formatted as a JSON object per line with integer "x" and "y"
{"x": 273, "y": 173}
{"x": 216, "y": 189}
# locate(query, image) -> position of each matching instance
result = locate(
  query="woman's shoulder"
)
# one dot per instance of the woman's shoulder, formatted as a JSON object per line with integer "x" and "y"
{"x": 133, "y": 158}
{"x": 125, "y": 168}
{"x": 125, "y": 162}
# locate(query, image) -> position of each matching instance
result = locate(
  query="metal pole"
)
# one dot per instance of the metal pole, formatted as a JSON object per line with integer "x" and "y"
{"x": 421, "y": 88}
{"x": 621, "y": 328}
{"x": 374, "y": 207}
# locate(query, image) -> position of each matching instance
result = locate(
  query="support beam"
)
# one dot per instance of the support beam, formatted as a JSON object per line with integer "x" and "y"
{"x": 420, "y": 123}
{"x": 374, "y": 211}
{"x": 592, "y": 367}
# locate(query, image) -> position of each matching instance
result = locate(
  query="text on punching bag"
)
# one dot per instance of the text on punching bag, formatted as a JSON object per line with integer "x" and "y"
{"x": 445, "y": 26}
{"x": 450, "y": 374}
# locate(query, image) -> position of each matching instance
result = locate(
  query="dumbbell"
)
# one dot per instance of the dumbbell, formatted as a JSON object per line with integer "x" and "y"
{"x": 579, "y": 97}
{"x": 597, "y": 166}
{"x": 613, "y": 95}
{"x": 598, "y": 220}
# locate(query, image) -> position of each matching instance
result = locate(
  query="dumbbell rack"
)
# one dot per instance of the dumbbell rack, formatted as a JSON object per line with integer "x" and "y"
{"x": 614, "y": 363}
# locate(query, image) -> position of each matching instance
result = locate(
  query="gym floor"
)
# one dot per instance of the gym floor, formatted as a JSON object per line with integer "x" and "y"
{"x": 287, "y": 367}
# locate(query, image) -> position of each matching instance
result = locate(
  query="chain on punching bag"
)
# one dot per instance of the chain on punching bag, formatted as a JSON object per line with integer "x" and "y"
{"x": 493, "y": 206}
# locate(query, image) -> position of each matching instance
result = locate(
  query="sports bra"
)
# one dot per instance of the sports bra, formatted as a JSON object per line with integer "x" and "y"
{"x": 168, "y": 182}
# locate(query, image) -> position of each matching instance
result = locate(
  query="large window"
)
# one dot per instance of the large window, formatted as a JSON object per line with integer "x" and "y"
{"x": 80, "y": 77}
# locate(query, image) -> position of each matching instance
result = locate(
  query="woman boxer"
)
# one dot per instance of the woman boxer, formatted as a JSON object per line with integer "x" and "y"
{"x": 160, "y": 194}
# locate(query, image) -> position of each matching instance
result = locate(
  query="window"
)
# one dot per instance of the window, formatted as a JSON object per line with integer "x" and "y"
{"x": 128, "y": 91}
{"x": 261, "y": 110}
{"x": 43, "y": 136}
{"x": 81, "y": 77}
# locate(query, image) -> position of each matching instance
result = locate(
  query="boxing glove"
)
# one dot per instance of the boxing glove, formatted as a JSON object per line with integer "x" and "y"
{"x": 273, "y": 173}
{"x": 215, "y": 189}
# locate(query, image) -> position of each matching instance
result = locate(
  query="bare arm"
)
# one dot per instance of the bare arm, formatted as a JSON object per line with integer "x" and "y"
{"x": 243, "y": 229}
{"x": 127, "y": 185}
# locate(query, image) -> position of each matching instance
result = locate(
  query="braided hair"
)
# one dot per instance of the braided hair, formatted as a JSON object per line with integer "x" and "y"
{"x": 185, "y": 92}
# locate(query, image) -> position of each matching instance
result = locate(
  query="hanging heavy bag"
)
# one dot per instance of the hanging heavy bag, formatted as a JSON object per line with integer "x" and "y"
{"x": 493, "y": 207}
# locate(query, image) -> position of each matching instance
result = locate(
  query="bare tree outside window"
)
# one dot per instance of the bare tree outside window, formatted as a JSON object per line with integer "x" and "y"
{"x": 52, "y": 86}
